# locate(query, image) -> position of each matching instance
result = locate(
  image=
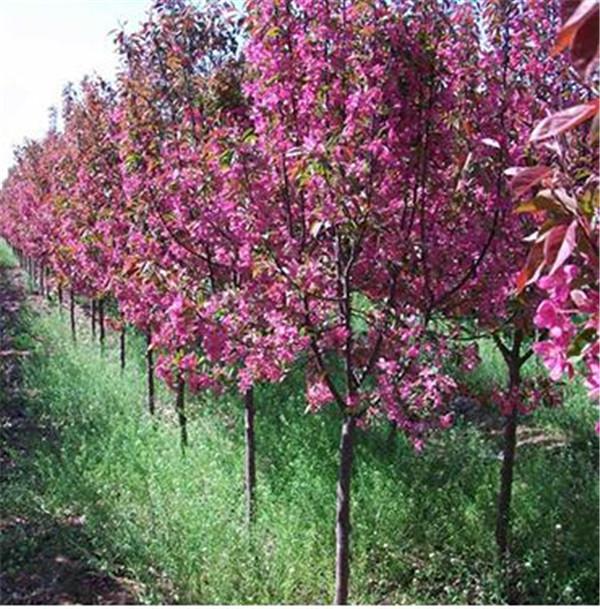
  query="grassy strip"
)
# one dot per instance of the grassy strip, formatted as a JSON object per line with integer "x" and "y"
{"x": 423, "y": 524}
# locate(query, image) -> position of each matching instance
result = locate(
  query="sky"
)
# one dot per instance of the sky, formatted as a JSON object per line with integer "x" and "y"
{"x": 44, "y": 44}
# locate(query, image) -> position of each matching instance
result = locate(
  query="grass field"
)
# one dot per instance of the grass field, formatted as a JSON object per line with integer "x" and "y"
{"x": 423, "y": 525}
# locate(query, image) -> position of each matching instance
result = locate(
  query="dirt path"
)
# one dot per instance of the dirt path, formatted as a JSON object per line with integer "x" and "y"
{"x": 42, "y": 559}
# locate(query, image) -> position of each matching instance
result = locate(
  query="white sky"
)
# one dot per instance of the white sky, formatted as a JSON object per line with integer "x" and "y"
{"x": 44, "y": 44}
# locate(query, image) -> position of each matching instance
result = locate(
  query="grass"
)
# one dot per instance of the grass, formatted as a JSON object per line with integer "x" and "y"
{"x": 423, "y": 524}
{"x": 7, "y": 257}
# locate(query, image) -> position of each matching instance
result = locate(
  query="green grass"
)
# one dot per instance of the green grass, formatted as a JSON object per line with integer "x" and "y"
{"x": 7, "y": 257}
{"x": 423, "y": 524}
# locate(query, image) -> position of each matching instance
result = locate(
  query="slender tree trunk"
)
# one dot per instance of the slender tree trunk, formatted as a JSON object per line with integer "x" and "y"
{"x": 48, "y": 294}
{"x": 42, "y": 280}
{"x": 342, "y": 525}
{"x": 72, "y": 313}
{"x": 101, "y": 323}
{"x": 250, "y": 457}
{"x": 508, "y": 464}
{"x": 93, "y": 310}
{"x": 180, "y": 407}
{"x": 514, "y": 362}
{"x": 60, "y": 298}
{"x": 122, "y": 346}
{"x": 150, "y": 372}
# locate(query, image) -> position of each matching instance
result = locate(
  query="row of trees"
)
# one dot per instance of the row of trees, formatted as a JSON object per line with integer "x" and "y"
{"x": 319, "y": 179}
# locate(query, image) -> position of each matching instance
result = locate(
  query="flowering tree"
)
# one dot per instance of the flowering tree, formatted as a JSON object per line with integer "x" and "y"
{"x": 26, "y": 194}
{"x": 91, "y": 197}
{"x": 525, "y": 86}
{"x": 366, "y": 236}
{"x": 563, "y": 261}
{"x": 180, "y": 108}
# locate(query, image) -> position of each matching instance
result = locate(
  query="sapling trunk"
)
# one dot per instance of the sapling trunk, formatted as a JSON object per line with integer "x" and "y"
{"x": 72, "y": 314}
{"x": 60, "y": 298}
{"x": 250, "y": 457}
{"x": 101, "y": 323}
{"x": 48, "y": 294}
{"x": 122, "y": 347}
{"x": 42, "y": 281}
{"x": 342, "y": 523}
{"x": 150, "y": 372}
{"x": 93, "y": 319}
{"x": 180, "y": 408}
{"x": 508, "y": 463}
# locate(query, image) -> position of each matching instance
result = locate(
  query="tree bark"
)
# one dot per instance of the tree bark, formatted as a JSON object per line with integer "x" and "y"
{"x": 101, "y": 323}
{"x": 35, "y": 279}
{"x": 180, "y": 408}
{"x": 250, "y": 457}
{"x": 41, "y": 278}
{"x": 93, "y": 309}
{"x": 60, "y": 298}
{"x": 122, "y": 347}
{"x": 342, "y": 526}
{"x": 72, "y": 314}
{"x": 150, "y": 372}
{"x": 514, "y": 363}
{"x": 47, "y": 284}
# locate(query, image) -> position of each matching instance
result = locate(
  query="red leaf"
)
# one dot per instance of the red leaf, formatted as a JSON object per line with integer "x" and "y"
{"x": 533, "y": 266}
{"x": 566, "y": 248}
{"x": 584, "y": 49}
{"x": 583, "y": 12}
{"x": 552, "y": 240}
{"x": 563, "y": 121}
{"x": 526, "y": 177}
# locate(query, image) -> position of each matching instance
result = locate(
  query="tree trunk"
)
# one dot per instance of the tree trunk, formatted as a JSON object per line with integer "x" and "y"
{"x": 72, "y": 313}
{"x": 150, "y": 372}
{"x": 60, "y": 298}
{"x": 42, "y": 277}
{"x": 180, "y": 407}
{"x": 122, "y": 347}
{"x": 508, "y": 463}
{"x": 342, "y": 525}
{"x": 93, "y": 319}
{"x": 250, "y": 457}
{"x": 101, "y": 323}
{"x": 45, "y": 282}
